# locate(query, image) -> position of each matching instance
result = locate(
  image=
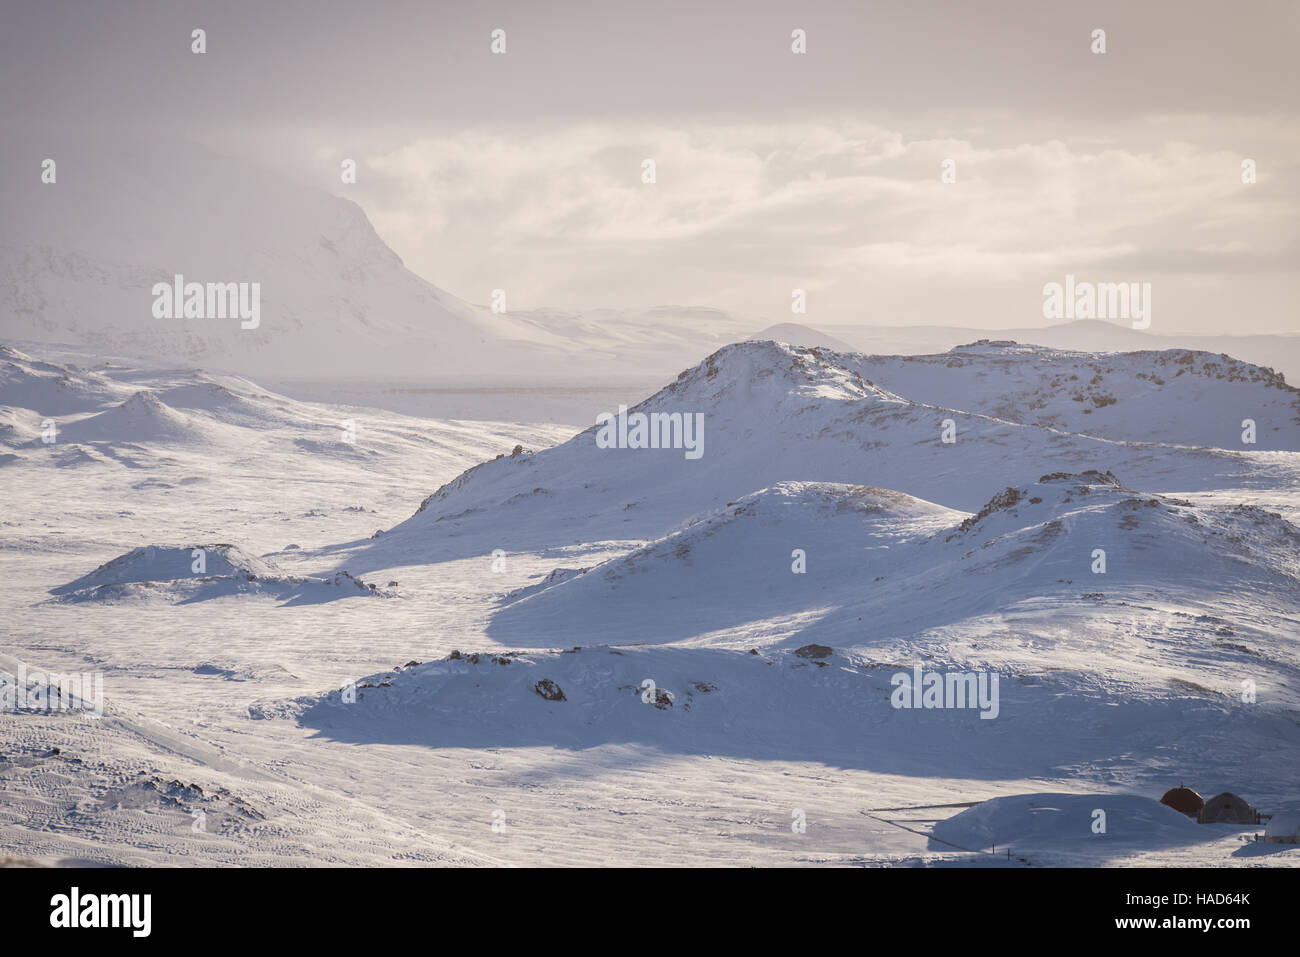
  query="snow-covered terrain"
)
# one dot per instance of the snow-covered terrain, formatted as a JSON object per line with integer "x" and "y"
{"x": 775, "y": 413}
{"x": 330, "y": 634}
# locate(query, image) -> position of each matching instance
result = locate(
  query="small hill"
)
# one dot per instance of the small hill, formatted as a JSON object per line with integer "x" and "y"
{"x": 734, "y": 564}
{"x": 732, "y": 577}
{"x": 200, "y": 572}
{"x": 143, "y": 418}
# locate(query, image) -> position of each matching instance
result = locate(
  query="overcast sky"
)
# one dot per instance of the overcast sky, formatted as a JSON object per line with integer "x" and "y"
{"x": 774, "y": 170}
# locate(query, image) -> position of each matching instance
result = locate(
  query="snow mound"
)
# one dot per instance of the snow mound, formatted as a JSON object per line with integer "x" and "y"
{"x": 201, "y": 572}
{"x": 778, "y": 551}
{"x": 1283, "y": 828}
{"x": 1026, "y": 821}
{"x": 1147, "y": 537}
{"x": 143, "y": 418}
{"x": 814, "y": 561}
{"x": 209, "y": 396}
{"x": 159, "y": 563}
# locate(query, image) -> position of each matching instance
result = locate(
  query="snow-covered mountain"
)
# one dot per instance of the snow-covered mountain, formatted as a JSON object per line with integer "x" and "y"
{"x": 79, "y": 259}
{"x": 773, "y": 413}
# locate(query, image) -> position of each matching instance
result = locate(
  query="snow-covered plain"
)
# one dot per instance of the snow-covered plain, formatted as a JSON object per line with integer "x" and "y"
{"x": 486, "y": 702}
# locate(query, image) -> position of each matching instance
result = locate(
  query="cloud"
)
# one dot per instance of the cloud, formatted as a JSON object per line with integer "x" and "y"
{"x": 742, "y": 213}
{"x": 775, "y": 170}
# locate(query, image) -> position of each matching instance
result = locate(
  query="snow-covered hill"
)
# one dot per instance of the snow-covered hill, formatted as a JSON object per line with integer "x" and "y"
{"x": 200, "y": 572}
{"x": 149, "y": 432}
{"x": 773, "y": 413}
{"x": 1032, "y": 823}
{"x": 794, "y": 550}
{"x": 830, "y": 563}
{"x": 143, "y": 418}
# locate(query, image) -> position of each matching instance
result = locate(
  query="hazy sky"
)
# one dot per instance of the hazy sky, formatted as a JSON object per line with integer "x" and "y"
{"x": 774, "y": 170}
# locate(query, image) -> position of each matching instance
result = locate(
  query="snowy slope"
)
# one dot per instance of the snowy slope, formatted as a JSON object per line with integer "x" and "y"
{"x": 776, "y": 413}
{"x": 732, "y": 570}
{"x": 49, "y": 389}
{"x": 730, "y": 567}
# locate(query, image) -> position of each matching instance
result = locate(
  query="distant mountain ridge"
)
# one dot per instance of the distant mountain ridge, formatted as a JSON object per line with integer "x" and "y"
{"x": 1278, "y": 352}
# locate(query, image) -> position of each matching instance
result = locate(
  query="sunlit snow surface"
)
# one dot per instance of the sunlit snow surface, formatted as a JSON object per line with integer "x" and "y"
{"x": 313, "y": 719}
